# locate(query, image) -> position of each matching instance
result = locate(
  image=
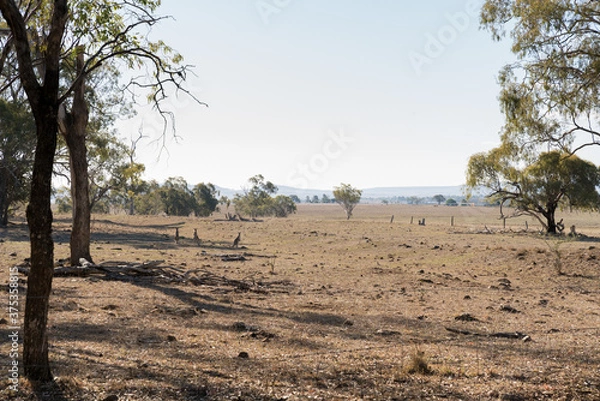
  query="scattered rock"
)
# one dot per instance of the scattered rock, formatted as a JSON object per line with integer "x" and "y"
{"x": 262, "y": 335}
{"x": 13, "y": 255}
{"x": 504, "y": 283}
{"x": 243, "y": 355}
{"x": 3, "y": 321}
{"x": 111, "y": 397}
{"x": 241, "y": 326}
{"x": 171, "y": 338}
{"x": 509, "y": 309}
{"x": 467, "y": 297}
{"x": 386, "y": 332}
{"x": 110, "y": 307}
{"x": 543, "y": 302}
{"x": 466, "y": 317}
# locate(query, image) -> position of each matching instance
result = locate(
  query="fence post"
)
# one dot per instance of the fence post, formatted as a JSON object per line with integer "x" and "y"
{"x": 411, "y": 219}
{"x": 452, "y": 222}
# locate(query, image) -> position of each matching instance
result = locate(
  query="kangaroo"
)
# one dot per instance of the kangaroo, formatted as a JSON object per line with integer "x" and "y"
{"x": 237, "y": 240}
{"x": 196, "y": 238}
{"x": 176, "y": 235}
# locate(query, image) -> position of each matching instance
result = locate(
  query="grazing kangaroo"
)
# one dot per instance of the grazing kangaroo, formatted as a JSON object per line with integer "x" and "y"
{"x": 196, "y": 238}
{"x": 237, "y": 239}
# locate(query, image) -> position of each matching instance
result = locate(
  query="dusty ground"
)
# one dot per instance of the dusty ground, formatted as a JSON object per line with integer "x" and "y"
{"x": 363, "y": 309}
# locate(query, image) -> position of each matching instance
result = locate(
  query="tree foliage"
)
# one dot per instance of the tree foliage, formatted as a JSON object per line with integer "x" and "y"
{"x": 17, "y": 142}
{"x": 348, "y": 197}
{"x": 40, "y": 34}
{"x": 258, "y": 200}
{"x": 551, "y": 94}
{"x": 555, "y": 180}
{"x": 439, "y": 199}
{"x": 206, "y": 199}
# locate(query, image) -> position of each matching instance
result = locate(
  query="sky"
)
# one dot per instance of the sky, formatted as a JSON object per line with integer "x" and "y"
{"x": 314, "y": 93}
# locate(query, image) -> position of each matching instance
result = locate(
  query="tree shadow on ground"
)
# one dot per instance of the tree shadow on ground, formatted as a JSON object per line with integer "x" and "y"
{"x": 17, "y": 232}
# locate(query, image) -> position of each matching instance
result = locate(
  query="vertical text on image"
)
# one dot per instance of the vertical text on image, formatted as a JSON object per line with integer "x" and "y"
{"x": 14, "y": 330}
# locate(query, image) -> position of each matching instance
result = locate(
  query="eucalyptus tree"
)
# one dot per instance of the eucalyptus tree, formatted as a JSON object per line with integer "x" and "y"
{"x": 347, "y": 197}
{"x": 17, "y": 141}
{"x": 554, "y": 181}
{"x": 258, "y": 200}
{"x": 41, "y": 33}
{"x": 551, "y": 94}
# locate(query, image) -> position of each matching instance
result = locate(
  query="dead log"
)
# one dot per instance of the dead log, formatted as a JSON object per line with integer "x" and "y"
{"x": 515, "y": 335}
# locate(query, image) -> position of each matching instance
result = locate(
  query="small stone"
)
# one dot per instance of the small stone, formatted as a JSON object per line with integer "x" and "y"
{"x": 466, "y": 317}
{"x": 171, "y": 338}
{"x": 243, "y": 355}
{"x": 111, "y": 398}
{"x": 508, "y": 308}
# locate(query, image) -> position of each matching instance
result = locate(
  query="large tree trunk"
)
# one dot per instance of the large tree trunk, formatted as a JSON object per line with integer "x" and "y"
{"x": 43, "y": 99}
{"x": 39, "y": 282}
{"x": 551, "y": 221}
{"x": 73, "y": 127}
{"x": 80, "y": 232}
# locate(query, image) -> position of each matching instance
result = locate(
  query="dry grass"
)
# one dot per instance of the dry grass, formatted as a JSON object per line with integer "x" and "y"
{"x": 349, "y": 310}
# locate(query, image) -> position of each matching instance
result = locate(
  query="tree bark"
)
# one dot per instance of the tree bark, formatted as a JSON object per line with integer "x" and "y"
{"x": 73, "y": 127}
{"x": 39, "y": 283}
{"x": 43, "y": 99}
{"x": 551, "y": 220}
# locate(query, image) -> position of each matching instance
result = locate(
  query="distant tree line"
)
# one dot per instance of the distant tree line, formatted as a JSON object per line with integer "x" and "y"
{"x": 175, "y": 197}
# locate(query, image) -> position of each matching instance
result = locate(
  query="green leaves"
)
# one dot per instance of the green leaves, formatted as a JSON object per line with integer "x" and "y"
{"x": 553, "y": 181}
{"x": 557, "y": 92}
{"x": 258, "y": 200}
{"x": 348, "y": 197}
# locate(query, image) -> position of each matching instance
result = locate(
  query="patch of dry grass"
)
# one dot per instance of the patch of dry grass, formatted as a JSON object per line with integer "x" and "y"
{"x": 353, "y": 309}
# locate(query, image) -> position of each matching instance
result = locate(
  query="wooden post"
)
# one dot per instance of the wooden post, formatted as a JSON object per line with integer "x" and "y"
{"x": 452, "y": 221}
{"x": 392, "y": 219}
{"x": 411, "y": 219}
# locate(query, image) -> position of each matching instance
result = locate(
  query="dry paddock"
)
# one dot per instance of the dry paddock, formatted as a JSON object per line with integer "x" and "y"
{"x": 323, "y": 308}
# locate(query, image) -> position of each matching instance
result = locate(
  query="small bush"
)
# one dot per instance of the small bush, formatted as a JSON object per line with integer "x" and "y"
{"x": 418, "y": 364}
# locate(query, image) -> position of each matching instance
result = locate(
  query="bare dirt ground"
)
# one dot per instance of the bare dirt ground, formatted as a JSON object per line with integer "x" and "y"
{"x": 325, "y": 309}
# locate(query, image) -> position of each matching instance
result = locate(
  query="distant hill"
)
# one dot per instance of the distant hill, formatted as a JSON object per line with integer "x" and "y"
{"x": 424, "y": 192}
{"x": 368, "y": 193}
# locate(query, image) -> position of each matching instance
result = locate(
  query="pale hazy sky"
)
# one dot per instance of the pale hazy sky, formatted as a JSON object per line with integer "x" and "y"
{"x": 312, "y": 93}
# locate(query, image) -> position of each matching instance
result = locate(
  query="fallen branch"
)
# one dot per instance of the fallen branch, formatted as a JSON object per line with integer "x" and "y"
{"x": 118, "y": 270}
{"x": 511, "y": 335}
